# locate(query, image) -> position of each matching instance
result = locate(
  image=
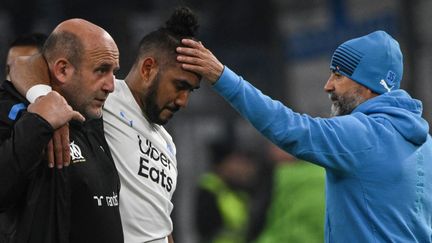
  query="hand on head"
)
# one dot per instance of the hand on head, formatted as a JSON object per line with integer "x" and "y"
{"x": 198, "y": 59}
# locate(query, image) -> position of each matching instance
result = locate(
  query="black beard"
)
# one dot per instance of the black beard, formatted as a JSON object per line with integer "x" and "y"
{"x": 152, "y": 110}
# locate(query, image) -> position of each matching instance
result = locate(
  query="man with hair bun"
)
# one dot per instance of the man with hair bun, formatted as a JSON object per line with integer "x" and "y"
{"x": 155, "y": 88}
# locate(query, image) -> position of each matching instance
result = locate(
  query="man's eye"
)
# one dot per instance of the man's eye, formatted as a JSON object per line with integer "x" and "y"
{"x": 101, "y": 70}
{"x": 181, "y": 87}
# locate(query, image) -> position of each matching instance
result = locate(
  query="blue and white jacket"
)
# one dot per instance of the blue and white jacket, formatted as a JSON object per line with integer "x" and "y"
{"x": 378, "y": 160}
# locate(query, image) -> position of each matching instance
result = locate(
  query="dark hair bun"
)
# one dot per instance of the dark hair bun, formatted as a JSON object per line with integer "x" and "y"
{"x": 182, "y": 23}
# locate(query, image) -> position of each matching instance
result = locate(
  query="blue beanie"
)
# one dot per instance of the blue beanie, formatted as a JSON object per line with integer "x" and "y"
{"x": 373, "y": 60}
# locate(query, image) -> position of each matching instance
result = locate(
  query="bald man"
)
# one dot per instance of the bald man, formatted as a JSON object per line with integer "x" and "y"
{"x": 78, "y": 203}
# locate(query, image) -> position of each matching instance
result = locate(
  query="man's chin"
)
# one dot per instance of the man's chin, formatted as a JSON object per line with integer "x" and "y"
{"x": 335, "y": 111}
{"x": 165, "y": 116}
{"x": 157, "y": 120}
{"x": 93, "y": 114}
{"x": 163, "y": 121}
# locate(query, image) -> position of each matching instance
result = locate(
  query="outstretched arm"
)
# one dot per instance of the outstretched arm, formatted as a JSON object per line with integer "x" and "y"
{"x": 326, "y": 142}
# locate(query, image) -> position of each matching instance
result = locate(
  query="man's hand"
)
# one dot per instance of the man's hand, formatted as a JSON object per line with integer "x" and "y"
{"x": 54, "y": 109}
{"x": 27, "y": 71}
{"x": 198, "y": 59}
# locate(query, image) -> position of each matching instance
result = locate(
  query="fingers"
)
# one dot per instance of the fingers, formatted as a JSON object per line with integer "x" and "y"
{"x": 191, "y": 52}
{"x": 192, "y": 43}
{"x": 77, "y": 116}
{"x": 193, "y": 68}
{"x": 65, "y": 144}
{"x": 50, "y": 154}
{"x": 58, "y": 149}
{"x": 190, "y": 60}
{"x": 193, "y": 48}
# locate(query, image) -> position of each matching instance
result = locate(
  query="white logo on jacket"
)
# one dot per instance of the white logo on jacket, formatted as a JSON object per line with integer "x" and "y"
{"x": 110, "y": 201}
{"x": 75, "y": 153}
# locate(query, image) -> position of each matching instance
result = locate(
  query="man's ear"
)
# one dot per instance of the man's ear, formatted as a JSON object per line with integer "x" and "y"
{"x": 62, "y": 70}
{"x": 149, "y": 69}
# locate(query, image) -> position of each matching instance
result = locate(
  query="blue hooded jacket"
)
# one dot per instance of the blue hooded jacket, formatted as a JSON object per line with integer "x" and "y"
{"x": 378, "y": 160}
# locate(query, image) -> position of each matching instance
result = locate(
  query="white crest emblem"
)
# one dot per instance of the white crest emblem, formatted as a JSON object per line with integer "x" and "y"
{"x": 75, "y": 153}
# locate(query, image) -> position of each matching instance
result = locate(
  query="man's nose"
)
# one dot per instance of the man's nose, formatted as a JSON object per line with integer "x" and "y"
{"x": 329, "y": 86}
{"x": 182, "y": 99}
{"x": 109, "y": 84}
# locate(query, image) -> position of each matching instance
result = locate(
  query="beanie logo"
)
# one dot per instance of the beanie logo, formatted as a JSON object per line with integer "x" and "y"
{"x": 385, "y": 85}
{"x": 391, "y": 76}
{"x": 390, "y": 80}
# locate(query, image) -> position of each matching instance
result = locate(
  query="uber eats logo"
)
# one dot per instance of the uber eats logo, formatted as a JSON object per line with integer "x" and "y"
{"x": 149, "y": 158}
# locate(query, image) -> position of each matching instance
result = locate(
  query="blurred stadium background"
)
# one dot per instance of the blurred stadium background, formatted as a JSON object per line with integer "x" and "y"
{"x": 281, "y": 46}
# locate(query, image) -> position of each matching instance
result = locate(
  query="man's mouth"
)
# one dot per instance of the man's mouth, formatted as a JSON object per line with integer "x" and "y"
{"x": 333, "y": 97}
{"x": 100, "y": 100}
{"x": 173, "y": 109}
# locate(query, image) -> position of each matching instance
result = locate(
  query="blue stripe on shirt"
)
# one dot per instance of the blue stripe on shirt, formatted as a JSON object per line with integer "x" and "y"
{"x": 13, "y": 113}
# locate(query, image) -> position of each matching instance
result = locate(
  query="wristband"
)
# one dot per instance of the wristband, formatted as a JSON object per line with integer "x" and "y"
{"x": 38, "y": 90}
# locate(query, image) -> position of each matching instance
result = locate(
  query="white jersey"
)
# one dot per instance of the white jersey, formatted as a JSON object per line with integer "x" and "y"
{"x": 144, "y": 155}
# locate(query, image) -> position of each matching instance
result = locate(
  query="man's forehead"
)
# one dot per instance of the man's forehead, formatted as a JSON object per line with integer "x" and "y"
{"x": 190, "y": 78}
{"x": 178, "y": 70}
{"x": 102, "y": 54}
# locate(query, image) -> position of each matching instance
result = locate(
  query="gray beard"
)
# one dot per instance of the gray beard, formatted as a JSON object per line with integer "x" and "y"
{"x": 344, "y": 105}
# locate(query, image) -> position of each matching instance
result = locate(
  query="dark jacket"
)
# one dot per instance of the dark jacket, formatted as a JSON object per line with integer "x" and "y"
{"x": 76, "y": 204}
